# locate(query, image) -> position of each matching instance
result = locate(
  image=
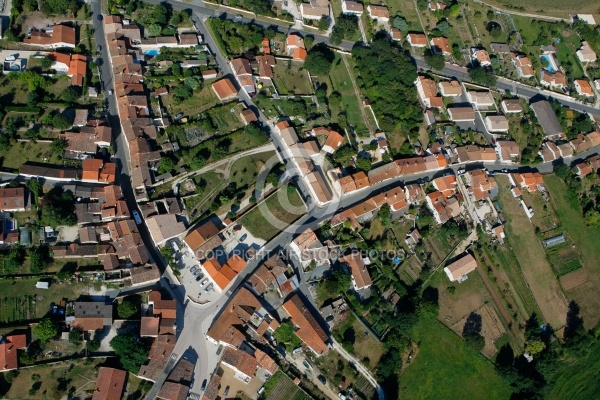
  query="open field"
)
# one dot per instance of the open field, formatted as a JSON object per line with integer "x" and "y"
{"x": 198, "y": 103}
{"x": 281, "y": 387}
{"x": 587, "y": 239}
{"x": 258, "y": 223}
{"x": 556, "y": 8}
{"x": 366, "y": 348}
{"x": 226, "y": 118}
{"x": 445, "y": 368}
{"x": 538, "y": 273}
{"x": 341, "y": 82}
{"x": 72, "y": 379}
{"x": 290, "y": 78}
{"x": 21, "y": 152}
{"x": 577, "y": 378}
{"x": 21, "y": 300}
{"x": 468, "y": 297}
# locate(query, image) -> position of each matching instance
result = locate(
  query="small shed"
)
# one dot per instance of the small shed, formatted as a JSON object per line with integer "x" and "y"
{"x": 42, "y": 285}
{"x": 554, "y": 241}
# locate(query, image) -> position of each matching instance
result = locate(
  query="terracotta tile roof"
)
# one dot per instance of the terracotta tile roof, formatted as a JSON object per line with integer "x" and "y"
{"x": 441, "y": 45}
{"x": 149, "y": 326}
{"x": 173, "y": 391}
{"x": 461, "y": 113}
{"x": 58, "y": 34}
{"x": 583, "y": 87}
{"x": 334, "y": 140}
{"x": 188, "y": 39}
{"x": 110, "y": 384}
{"x": 461, "y": 267}
{"x": 201, "y": 234}
{"x": 512, "y": 105}
{"x": 240, "y": 360}
{"x": 265, "y": 361}
{"x": 182, "y": 373}
{"x": 164, "y": 227}
{"x": 159, "y": 355}
{"x": 417, "y": 39}
{"x": 294, "y": 40}
{"x": 144, "y": 274}
{"x": 166, "y": 308}
{"x": 236, "y": 263}
{"x": 91, "y": 169}
{"x": 360, "y": 274}
{"x": 235, "y": 314}
{"x": 224, "y": 89}
{"x": 12, "y": 198}
{"x": 428, "y": 92}
{"x": 309, "y": 330}
{"x": 445, "y": 184}
{"x": 249, "y": 116}
{"x": 212, "y": 389}
{"x": 299, "y": 53}
{"x": 378, "y": 11}
{"x": 450, "y": 88}
{"x": 305, "y": 239}
{"x": 213, "y": 268}
{"x": 8, "y": 351}
{"x": 347, "y": 184}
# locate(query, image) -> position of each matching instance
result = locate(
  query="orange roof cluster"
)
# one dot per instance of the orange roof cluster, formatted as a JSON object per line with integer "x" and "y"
{"x": 585, "y": 142}
{"x": 295, "y": 47}
{"x": 76, "y": 64}
{"x": 445, "y": 184}
{"x": 395, "y": 198}
{"x": 531, "y": 181}
{"x": 472, "y": 153}
{"x": 308, "y": 328}
{"x": 201, "y": 234}
{"x": 441, "y": 45}
{"x": 159, "y": 355}
{"x": 443, "y": 208}
{"x": 96, "y": 170}
{"x": 481, "y": 184}
{"x": 334, "y": 139}
{"x": 222, "y": 275}
{"x": 523, "y": 65}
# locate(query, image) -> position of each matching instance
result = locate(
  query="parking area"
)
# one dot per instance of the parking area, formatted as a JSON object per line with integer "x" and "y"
{"x": 195, "y": 279}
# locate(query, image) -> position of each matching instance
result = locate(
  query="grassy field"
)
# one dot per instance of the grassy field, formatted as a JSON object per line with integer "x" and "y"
{"x": 567, "y": 58}
{"x": 407, "y": 9}
{"x": 21, "y": 152}
{"x": 445, "y": 368}
{"x": 261, "y": 224}
{"x": 198, "y": 103}
{"x": 20, "y": 300}
{"x": 341, "y": 82}
{"x": 557, "y": 8}
{"x": 529, "y": 252}
{"x": 281, "y": 387}
{"x": 207, "y": 187}
{"x": 587, "y": 239}
{"x": 290, "y": 79}
{"x": 577, "y": 379}
{"x": 226, "y": 118}
{"x": 14, "y": 91}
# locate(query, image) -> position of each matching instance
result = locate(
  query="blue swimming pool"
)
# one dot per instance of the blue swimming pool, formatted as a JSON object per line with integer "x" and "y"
{"x": 152, "y": 52}
{"x": 550, "y": 61}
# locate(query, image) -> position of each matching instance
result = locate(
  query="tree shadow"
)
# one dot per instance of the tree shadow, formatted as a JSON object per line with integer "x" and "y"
{"x": 472, "y": 325}
{"x": 574, "y": 324}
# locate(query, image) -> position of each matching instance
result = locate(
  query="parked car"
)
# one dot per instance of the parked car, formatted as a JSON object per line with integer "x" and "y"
{"x": 110, "y": 92}
{"x": 99, "y": 17}
{"x": 199, "y": 277}
{"x": 237, "y": 228}
{"x": 194, "y": 268}
{"x": 226, "y": 392}
{"x": 322, "y": 379}
{"x": 196, "y": 273}
{"x": 244, "y": 237}
{"x": 204, "y": 282}
{"x": 203, "y": 385}
{"x": 208, "y": 288}
{"x": 136, "y": 215}
{"x": 98, "y": 48}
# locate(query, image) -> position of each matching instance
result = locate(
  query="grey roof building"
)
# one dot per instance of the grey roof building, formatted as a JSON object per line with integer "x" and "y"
{"x": 547, "y": 118}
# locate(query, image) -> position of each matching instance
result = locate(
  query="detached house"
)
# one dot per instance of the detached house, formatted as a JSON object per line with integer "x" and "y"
{"x": 441, "y": 45}
{"x": 585, "y": 53}
{"x": 361, "y": 279}
{"x": 427, "y": 91}
{"x": 352, "y": 7}
{"x": 583, "y": 88}
{"x": 508, "y": 150}
{"x": 294, "y": 45}
{"x": 496, "y": 123}
{"x": 13, "y": 199}
{"x": 553, "y": 79}
{"x": 243, "y": 72}
{"x": 458, "y": 270}
{"x": 53, "y": 37}
{"x": 416, "y": 39}
{"x": 224, "y": 89}
{"x": 450, "y": 88}
{"x": 307, "y": 327}
{"x": 315, "y": 10}
{"x": 379, "y": 13}
{"x": 482, "y": 56}
{"x": 523, "y": 65}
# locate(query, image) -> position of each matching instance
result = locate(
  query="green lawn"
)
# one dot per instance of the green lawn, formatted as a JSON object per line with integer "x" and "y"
{"x": 20, "y": 152}
{"x": 341, "y": 82}
{"x": 198, "y": 103}
{"x": 20, "y": 300}
{"x": 445, "y": 368}
{"x": 264, "y": 225}
{"x": 290, "y": 79}
{"x": 567, "y": 58}
{"x": 577, "y": 378}
{"x": 226, "y": 118}
{"x": 586, "y": 237}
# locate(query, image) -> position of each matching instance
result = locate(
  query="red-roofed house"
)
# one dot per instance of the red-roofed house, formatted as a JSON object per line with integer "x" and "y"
{"x": 361, "y": 279}
{"x": 308, "y": 328}
{"x": 8, "y": 351}
{"x": 109, "y": 384}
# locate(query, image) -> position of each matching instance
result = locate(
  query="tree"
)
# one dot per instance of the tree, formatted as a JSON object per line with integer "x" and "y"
{"x": 318, "y": 60}
{"x": 92, "y": 345}
{"x": 71, "y": 94}
{"x": 182, "y": 92}
{"x": 38, "y": 259}
{"x": 400, "y": 23}
{"x": 61, "y": 121}
{"x": 130, "y": 351}
{"x": 345, "y": 27}
{"x": 534, "y": 347}
{"x": 336, "y": 283}
{"x": 435, "y": 60}
{"x": 444, "y": 27}
{"x": 154, "y": 30}
{"x": 58, "y": 6}
{"x": 483, "y": 76}
{"x": 59, "y": 208}
{"x": 58, "y": 146}
{"x": 308, "y": 41}
{"x": 176, "y": 69}
{"x": 286, "y": 334}
{"x": 363, "y": 163}
{"x": 475, "y": 341}
{"x": 323, "y": 24}
{"x": 46, "y": 329}
{"x": 75, "y": 337}
{"x": 129, "y": 307}
{"x": 46, "y": 63}
{"x": 384, "y": 215}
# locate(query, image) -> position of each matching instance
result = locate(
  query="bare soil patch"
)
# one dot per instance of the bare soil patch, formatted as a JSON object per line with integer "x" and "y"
{"x": 491, "y": 328}
{"x": 574, "y": 279}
